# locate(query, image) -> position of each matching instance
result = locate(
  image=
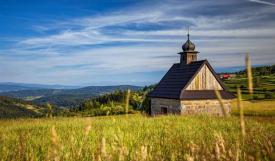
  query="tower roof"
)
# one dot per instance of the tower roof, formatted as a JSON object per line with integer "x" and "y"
{"x": 188, "y": 45}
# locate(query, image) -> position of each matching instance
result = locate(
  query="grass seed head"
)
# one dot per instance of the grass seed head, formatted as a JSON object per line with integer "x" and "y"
{"x": 103, "y": 148}
{"x": 87, "y": 128}
{"x": 143, "y": 153}
{"x": 240, "y": 106}
{"x": 55, "y": 145}
{"x": 218, "y": 95}
{"x": 127, "y": 101}
{"x": 249, "y": 74}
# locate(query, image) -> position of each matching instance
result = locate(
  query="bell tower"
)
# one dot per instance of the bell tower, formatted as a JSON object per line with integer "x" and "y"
{"x": 189, "y": 54}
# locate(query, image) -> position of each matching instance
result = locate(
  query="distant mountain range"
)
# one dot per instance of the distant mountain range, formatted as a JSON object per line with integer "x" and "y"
{"x": 9, "y": 86}
{"x": 60, "y": 96}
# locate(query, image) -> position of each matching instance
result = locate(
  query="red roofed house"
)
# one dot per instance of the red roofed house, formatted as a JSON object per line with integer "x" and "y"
{"x": 189, "y": 87}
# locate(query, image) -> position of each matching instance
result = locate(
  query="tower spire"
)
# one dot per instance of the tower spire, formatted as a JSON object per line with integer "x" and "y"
{"x": 189, "y": 54}
{"x": 188, "y": 35}
{"x": 188, "y": 46}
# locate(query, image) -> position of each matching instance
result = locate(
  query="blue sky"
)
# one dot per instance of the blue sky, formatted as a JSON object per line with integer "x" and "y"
{"x": 107, "y": 42}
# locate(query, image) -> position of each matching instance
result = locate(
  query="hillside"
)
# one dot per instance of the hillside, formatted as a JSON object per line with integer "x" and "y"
{"x": 15, "y": 108}
{"x": 264, "y": 86}
{"x": 65, "y": 97}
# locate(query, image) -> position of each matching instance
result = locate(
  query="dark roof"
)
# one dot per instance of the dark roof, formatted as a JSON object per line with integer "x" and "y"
{"x": 178, "y": 78}
{"x": 175, "y": 80}
{"x": 205, "y": 94}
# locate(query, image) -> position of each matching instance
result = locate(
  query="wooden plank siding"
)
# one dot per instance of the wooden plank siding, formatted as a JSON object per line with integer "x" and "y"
{"x": 204, "y": 80}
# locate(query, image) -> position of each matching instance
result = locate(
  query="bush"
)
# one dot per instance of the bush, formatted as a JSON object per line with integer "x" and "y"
{"x": 255, "y": 97}
{"x": 146, "y": 105}
{"x": 268, "y": 95}
{"x": 107, "y": 109}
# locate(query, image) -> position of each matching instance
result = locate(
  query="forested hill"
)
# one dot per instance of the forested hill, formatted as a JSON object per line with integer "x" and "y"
{"x": 66, "y": 97}
{"x": 15, "y": 108}
{"x": 261, "y": 70}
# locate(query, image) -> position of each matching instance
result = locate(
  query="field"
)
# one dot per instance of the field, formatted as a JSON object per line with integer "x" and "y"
{"x": 262, "y": 108}
{"x": 137, "y": 137}
{"x": 264, "y": 86}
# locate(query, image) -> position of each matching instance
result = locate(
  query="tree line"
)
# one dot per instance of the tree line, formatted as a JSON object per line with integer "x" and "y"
{"x": 262, "y": 70}
{"x": 116, "y": 103}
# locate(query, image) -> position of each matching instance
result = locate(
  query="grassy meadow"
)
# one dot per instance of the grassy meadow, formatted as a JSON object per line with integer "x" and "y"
{"x": 264, "y": 86}
{"x": 261, "y": 108}
{"x": 137, "y": 137}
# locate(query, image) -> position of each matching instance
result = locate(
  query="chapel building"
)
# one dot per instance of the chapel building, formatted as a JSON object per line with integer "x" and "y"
{"x": 189, "y": 87}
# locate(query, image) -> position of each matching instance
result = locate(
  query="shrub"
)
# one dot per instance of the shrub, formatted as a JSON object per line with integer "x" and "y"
{"x": 268, "y": 95}
{"x": 255, "y": 97}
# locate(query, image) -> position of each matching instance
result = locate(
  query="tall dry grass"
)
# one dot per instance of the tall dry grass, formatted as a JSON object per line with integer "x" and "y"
{"x": 240, "y": 106}
{"x": 249, "y": 74}
{"x": 219, "y": 97}
{"x": 135, "y": 138}
{"x": 127, "y": 101}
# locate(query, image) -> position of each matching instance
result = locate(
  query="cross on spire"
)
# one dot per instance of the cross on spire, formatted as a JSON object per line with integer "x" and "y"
{"x": 188, "y": 35}
{"x": 189, "y": 54}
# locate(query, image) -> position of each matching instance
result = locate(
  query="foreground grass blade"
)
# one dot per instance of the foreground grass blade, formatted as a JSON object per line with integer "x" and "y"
{"x": 249, "y": 74}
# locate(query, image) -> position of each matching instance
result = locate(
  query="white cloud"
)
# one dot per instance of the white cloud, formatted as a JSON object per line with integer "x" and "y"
{"x": 220, "y": 38}
{"x": 263, "y": 2}
{"x": 90, "y": 30}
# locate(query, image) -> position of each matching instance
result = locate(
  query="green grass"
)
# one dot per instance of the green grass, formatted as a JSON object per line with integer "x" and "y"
{"x": 263, "y": 108}
{"x": 136, "y": 137}
{"x": 264, "y": 84}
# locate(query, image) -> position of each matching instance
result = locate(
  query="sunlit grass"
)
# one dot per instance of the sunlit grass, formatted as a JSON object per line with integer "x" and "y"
{"x": 256, "y": 108}
{"x": 135, "y": 137}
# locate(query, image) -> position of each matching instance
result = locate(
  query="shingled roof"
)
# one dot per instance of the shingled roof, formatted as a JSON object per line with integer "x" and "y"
{"x": 179, "y": 77}
{"x": 204, "y": 94}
